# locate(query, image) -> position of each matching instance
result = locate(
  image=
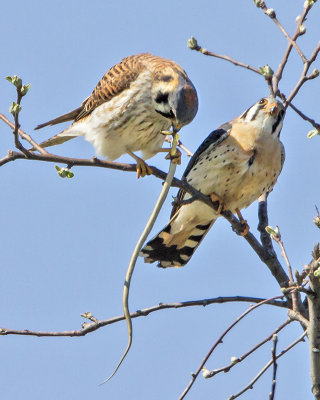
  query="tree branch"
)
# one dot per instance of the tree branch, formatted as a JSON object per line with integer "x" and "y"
{"x": 264, "y": 369}
{"x": 275, "y": 366}
{"x": 227, "y": 368}
{"x": 219, "y": 341}
{"x": 91, "y": 327}
{"x": 314, "y": 324}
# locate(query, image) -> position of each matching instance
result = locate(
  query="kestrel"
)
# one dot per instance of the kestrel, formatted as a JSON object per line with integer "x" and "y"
{"x": 133, "y": 102}
{"x": 236, "y": 164}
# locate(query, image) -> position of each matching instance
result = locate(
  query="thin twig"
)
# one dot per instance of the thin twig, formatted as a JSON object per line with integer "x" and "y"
{"x": 227, "y": 368}
{"x": 180, "y": 145}
{"x": 314, "y": 324}
{"x": 24, "y": 135}
{"x": 278, "y": 75}
{"x": 275, "y": 366}
{"x": 291, "y": 41}
{"x": 264, "y": 369}
{"x": 300, "y": 113}
{"x": 219, "y": 341}
{"x": 91, "y": 327}
{"x": 303, "y": 78}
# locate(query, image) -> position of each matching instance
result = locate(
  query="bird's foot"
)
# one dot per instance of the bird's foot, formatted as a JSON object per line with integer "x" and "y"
{"x": 244, "y": 225}
{"x": 217, "y": 199}
{"x": 175, "y": 158}
{"x": 142, "y": 167}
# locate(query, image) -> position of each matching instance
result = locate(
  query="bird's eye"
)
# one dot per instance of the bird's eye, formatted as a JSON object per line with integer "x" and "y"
{"x": 263, "y": 101}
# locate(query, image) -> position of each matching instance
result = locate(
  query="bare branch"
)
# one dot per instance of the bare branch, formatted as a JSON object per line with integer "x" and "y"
{"x": 264, "y": 369}
{"x": 24, "y": 135}
{"x": 91, "y": 327}
{"x": 227, "y": 368}
{"x": 274, "y": 362}
{"x": 304, "y": 78}
{"x": 300, "y": 113}
{"x": 314, "y": 324}
{"x": 271, "y": 14}
{"x": 219, "y": 341}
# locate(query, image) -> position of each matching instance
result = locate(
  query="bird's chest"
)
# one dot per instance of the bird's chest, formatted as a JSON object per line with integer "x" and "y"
{"x": 128, "y": 122}
{"x": 237, "y": 173}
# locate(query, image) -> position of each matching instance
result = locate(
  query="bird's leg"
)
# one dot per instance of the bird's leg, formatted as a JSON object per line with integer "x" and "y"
{"x": 142, "y": 167}
{"x": 217, "y": 199}
{"x": 243, "y": 222}
{"x": 175, "y": 158}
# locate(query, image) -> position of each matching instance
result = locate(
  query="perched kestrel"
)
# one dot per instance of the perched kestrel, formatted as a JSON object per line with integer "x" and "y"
{"x": 133, "y": 102}
{"x": 237, "y": 163}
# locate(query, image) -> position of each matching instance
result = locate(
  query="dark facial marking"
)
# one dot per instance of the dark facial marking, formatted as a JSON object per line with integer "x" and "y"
{"x": 162, "y": 98}
{"x": 166, "y": 115}
{"x": 279, "y": 119}
{"x": 166, "y": 78}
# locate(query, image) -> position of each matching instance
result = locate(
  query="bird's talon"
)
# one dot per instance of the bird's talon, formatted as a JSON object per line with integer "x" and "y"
{"x": 175, "y": 158}
{"x": 217, "y": 199}
{"x": 143, "y": 169}
{"x": 244, "y": 228}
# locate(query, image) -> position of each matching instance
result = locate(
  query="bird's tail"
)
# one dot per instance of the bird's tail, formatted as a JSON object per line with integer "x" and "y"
{"x": 70, "y": 116}
{"x": 174, "y": 247}
{"x": 57, "y": 139}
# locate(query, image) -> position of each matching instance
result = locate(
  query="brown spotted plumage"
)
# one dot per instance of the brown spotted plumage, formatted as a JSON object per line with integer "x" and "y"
{"x": 133, "y": 102}
{"x": 235, "y": 164}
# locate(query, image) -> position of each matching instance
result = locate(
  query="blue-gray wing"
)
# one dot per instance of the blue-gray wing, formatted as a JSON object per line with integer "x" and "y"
{"x": 215, "y": 138}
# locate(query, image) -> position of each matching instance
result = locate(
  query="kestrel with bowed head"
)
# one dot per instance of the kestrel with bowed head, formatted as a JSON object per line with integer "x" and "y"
{"x": 237, "y": 163}
{"x": 132, "y": 104}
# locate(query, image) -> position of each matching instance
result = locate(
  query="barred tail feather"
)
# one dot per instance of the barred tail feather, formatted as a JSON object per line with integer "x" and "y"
{"x": 174, "y": 250}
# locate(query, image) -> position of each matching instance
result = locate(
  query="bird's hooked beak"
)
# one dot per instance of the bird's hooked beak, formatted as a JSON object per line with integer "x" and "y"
{"x": 272, "y": 109}
{"x": 184, "y": 103}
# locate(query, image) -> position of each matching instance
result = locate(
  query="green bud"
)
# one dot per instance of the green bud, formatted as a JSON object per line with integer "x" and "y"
{"x": 15, "y": 80}
{"x": 315, "y": 73}
{"x": 234, "y": 360}
{"x": 266, "y": 71}
{"x": 15, "y": 108}
{"x": 64, "y": 172}
{"x": 312, "y": 133}
{"x": 86, "y": 315}
{"x": 308, "y": 3}
{"x": 259, "y": 3}
{"x": 317, "y": 272}
{"x": 270, "y": 12}
{"x": 273, "y": 232}
{"x": 25, "y": 88}
{"x": 192, "y": 43}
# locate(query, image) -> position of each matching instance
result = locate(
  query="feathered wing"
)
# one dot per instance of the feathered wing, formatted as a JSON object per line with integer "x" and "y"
{"x": 176, "y": 243}
{"x": 116, "y": 80}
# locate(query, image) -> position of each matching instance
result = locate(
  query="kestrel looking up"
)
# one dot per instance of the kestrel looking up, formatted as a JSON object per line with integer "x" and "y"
{"x": 236, "y": 164}
{"x": 133, "y": 102}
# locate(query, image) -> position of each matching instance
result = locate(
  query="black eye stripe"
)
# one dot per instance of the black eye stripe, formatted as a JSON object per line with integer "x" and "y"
{"x": 162, "y": 98}
{"x": 278, "y": 120}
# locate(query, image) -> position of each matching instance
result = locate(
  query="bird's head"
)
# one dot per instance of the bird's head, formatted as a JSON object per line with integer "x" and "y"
{"x": 174, "y": 96}
{"x": 267, "y": 113}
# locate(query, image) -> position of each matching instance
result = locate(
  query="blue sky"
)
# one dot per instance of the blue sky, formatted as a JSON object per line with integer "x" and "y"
{"x": 66, "y": 244}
